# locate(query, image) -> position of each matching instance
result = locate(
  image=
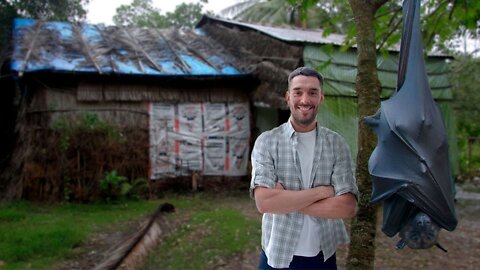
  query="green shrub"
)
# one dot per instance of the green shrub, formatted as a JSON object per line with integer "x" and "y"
{"x": 114, "y": 186}
{"x": 117, "y": 187}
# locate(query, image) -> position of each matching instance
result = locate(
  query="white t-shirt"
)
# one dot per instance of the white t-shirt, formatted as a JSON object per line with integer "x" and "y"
{"x": 309, "y": 242}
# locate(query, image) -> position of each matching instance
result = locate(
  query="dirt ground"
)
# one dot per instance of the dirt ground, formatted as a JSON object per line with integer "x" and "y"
{"x": 463, "y": 244}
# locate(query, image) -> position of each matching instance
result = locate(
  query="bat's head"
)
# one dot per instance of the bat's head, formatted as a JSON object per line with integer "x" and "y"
{"x": 420, "y": 232}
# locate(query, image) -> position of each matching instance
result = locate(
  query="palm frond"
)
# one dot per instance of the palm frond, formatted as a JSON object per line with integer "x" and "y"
{"x": 234, "y": 10}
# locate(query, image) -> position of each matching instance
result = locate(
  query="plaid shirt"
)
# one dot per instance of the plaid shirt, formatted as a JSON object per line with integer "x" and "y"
{"x": 275, "y": 158}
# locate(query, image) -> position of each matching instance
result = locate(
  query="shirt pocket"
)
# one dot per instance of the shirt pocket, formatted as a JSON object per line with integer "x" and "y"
{"x": 323, "y": 174}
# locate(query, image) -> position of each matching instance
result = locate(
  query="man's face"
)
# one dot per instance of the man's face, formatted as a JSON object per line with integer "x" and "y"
{"x": 303, "y": 97}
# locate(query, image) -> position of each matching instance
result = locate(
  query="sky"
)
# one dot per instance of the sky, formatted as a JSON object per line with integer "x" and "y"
{"x": 102, "y": 11}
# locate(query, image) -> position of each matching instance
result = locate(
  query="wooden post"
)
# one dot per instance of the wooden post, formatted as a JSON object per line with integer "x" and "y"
{"x": 195, "y": 180}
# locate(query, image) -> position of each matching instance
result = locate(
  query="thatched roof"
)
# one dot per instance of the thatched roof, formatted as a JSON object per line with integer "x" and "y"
{"x": 264, "y": 56}
{"x": 84, "y": 48}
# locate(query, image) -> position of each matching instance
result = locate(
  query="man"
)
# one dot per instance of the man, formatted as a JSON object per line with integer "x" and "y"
{"x": 303, "y": 182}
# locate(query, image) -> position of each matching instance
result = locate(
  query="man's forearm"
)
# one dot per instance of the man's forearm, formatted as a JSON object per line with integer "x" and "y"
{"x": 343, "y": 206}
{"x": 281, "y": 201}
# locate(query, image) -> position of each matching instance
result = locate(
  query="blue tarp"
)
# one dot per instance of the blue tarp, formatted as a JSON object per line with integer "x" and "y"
{"x": 84, "y": 48}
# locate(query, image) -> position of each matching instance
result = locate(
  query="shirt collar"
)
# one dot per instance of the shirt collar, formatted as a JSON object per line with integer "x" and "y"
{"x": 290, "y": 130}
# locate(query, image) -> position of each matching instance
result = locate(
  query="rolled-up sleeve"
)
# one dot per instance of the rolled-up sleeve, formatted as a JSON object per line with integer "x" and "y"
{"x": 343, "y": 178}
{"x": 263, "y": 171}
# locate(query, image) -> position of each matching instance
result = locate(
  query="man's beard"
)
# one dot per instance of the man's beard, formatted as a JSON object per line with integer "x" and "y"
{"x": 305, "y": 121}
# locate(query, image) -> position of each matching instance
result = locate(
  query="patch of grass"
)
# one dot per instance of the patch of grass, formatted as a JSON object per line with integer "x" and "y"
{"x": 212, "y": 234}
{"x": 39, "y": 236}
{"x": 35, "y": 236}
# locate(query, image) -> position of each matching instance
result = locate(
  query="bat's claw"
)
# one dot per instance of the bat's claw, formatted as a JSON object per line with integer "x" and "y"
{"x": 401, "y": 244}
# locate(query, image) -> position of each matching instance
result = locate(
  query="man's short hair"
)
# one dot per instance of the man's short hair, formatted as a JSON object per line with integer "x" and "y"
{"x": 305, "y": 71}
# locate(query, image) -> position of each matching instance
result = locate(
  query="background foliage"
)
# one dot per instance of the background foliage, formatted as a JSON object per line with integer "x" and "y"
{"x": 443, "y": 21}
{"x": 467, "y": 110}
{"x": 52, "y": 10}
{"x": 141, "y": 13}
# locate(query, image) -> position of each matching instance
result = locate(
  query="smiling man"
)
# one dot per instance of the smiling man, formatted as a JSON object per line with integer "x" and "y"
{"x": 303, "y": 182}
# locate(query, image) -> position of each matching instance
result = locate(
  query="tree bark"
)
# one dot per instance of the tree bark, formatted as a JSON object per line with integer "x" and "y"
{"x": 361, "y": 254}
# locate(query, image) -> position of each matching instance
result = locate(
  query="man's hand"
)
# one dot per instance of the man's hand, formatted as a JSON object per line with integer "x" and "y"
{"x": 343, "y": 206}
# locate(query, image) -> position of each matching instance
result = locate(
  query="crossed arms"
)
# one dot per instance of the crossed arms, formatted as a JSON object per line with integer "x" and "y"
{"x": 319, "y": 201}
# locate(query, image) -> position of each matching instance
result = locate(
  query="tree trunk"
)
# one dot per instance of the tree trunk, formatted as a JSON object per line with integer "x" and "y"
{"x": 361, "y": 254}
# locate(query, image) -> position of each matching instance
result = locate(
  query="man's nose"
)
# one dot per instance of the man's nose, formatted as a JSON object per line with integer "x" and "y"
{"x": 304, "y": 99}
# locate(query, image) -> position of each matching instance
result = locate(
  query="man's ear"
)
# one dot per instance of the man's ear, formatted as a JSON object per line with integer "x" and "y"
{"x": 322, "y": 97}
{"x": 287, "y": 96}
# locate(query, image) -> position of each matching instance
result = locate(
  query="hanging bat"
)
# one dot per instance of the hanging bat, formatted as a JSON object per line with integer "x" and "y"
{"x": 410, "y": 166}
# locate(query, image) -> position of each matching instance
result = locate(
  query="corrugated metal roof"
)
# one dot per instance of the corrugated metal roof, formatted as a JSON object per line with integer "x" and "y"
{"x": 292, "y": 34}
{"x": 285, "y": 34}
{"x": 84, "y": 48}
